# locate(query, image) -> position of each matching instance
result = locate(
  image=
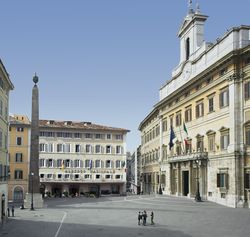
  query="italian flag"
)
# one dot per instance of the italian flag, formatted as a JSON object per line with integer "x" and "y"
{"x": 185, "y": 134}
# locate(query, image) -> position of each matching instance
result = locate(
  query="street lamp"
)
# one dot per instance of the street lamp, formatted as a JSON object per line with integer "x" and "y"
{"x": 197, "y": 194}
{"x": 160, "y": 189}
{"x": 32, "y": 201}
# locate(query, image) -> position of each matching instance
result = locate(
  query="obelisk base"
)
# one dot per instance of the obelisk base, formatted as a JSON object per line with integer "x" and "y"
{"x": 37, "y": 200}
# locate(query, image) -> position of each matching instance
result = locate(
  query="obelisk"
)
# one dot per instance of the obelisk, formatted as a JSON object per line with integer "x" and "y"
{"x": 34, "y": 198}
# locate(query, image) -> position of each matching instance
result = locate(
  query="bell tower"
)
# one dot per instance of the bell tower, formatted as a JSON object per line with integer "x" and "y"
{"x": 191, "y": 32}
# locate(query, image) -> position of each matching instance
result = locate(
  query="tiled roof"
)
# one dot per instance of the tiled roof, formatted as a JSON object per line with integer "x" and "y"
{"x": 78, "y": 125}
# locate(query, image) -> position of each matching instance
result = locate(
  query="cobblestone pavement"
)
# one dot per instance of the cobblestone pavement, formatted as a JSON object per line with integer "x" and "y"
{"x": 117, "y": 216}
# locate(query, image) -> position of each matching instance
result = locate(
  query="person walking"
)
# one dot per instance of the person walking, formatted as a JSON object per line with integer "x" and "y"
{"x": 152, "y": 218}
{"x": 13, "y": 211}
{"x": 139, "y": 218}
{"x": 144, "y": 216}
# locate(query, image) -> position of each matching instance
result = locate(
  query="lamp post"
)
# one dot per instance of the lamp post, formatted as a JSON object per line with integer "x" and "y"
{"x": 197, "y": 194}
{"x": 160, "y": 189}
{"x": 32, "y": 201}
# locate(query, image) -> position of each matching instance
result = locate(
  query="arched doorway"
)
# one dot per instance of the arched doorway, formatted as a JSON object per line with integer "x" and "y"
{"x": 18, "y": 194}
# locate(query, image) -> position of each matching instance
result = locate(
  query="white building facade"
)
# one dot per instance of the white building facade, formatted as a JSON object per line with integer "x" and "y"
{"x": 209, "y": 95}
{"x": 78, "y": 158}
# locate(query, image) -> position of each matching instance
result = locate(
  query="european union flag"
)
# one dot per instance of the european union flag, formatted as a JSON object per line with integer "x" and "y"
{"x": 172, "y": 137}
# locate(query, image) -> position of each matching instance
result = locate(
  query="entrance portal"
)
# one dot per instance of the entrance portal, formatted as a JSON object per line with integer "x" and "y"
{"x": 185, "y": 183}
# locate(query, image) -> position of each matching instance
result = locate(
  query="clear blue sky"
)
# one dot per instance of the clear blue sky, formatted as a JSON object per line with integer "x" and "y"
{"x": 100, "y": 60}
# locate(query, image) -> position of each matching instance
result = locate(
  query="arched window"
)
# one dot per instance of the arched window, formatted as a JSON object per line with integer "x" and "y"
{"x": 187, "y": 48}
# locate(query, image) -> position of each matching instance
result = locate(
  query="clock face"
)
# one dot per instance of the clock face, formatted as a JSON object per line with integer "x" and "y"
{"x": 186, "y": 72}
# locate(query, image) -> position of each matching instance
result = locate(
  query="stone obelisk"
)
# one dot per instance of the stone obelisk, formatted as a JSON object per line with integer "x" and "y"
{"x": 34, "y": 198}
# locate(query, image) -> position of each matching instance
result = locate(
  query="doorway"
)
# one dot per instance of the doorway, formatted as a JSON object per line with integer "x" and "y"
{"x": 185, "y": 183}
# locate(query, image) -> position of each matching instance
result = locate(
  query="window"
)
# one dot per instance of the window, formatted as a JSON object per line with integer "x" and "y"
{"x": 188, "y": 114}
{"x": 67, "y": 163}
{"x": 222, "y": 180}
{"x": 200, "y": 143}
{"x": 98, "y": 136}
{"x": 211, "y": 143}
{"x": 224, "y": 140}
{"x": 178, "y": 148}
{"x": 88, "y": 135}
{"x": 77, "y": 135}
{"x": 164, "y": 125}
{"x": 19, "y": 129}
{"x": 199, "y": 109}
{"x": 117, "y": 176}
{"x": 77, "y": 176}
{"x": 88, "y": 163}
{"x": 59, "y": 147}
{"x": 98, "y": 164}
{"x": 223, "y": 71}
{"x": 224, "y": 98}
{"x": 18, "y": 174}
{"x": 97, "y": 176}
{"x": 247, "y": 180}
{"x": 108, "y": 164}
{"x": 97, "y": 148}
{"x": 88, "y": 148}
{"x": 109, "y": 136}
{"x": 43, "y": 147}
{"x": 19, "y": 141}
{"x": 178, "y": 119}
{"x": 67, "y": 148}
{"x": 50, "y": 162}
{"x": 187, "y": 48}
{"x": 247, "y": 90}
{"x": 42, "y": 176}
{"x": 211, "y": 104}
{"x": 108, "y": 176}
{"x": 50, "y": 147}
{"x": 1, "y": 83}
{"x": 49, "y": 176}
{"x": 108, "y": 149}
{"x": 59, "y": 176}
{"x": 171, "y": 119}
{"x": 188, "y": 146}
{"x": 59, "y": 163}
{"x": 248, "y": 136}
{"x": 77, "y": 148}
{"x": 87, "y": 176}
{"x": 19, "y": 157}
{"x": 118, "y": 137}
{"x": 118, "y": 150}
{"x": 118, "y": 164}
{"x": 66, "y": 176}
{"x": 42, "y": 163}
{"x": 77, "y": 163}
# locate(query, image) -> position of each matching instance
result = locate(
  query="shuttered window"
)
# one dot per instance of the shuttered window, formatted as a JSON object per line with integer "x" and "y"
{"x": 224, "y": 98}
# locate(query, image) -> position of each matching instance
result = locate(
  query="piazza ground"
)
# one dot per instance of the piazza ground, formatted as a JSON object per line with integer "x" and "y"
{"x": 117, "y": 216}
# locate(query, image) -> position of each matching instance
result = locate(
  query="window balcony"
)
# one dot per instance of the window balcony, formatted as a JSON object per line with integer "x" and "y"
{"x": 188, "y": 156}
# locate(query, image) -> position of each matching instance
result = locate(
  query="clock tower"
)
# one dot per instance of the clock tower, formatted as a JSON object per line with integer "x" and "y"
{"x": 191, "y": 32}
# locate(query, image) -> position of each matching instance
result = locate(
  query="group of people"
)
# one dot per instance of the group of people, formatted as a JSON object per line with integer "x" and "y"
{"x": 142, "y": 217}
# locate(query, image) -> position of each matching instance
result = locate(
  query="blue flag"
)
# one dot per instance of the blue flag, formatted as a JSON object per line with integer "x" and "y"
{"x": 90, "y": 164}
{"x": 172, "y": 137}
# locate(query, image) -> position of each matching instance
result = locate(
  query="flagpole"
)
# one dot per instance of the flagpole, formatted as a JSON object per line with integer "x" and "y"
{"x": 181, "y": 140}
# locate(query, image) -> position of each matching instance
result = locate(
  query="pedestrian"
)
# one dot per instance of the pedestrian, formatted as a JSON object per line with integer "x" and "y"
{"x": 13, "y": 211}
{"x": 139, "y": 218}
{"x": 144, "y": 216}
{"x": 8, "y": 210}
{"x": 152, "y": 218}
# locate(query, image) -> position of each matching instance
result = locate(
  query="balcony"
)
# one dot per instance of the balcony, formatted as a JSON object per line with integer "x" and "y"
{"x": 201, "y": 155}
{"x": 81, "y": 180}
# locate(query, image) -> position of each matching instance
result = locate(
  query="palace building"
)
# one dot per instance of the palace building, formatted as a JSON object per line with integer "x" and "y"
{"x": 78, "y": 158}
{"x": 196, "y": 140}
